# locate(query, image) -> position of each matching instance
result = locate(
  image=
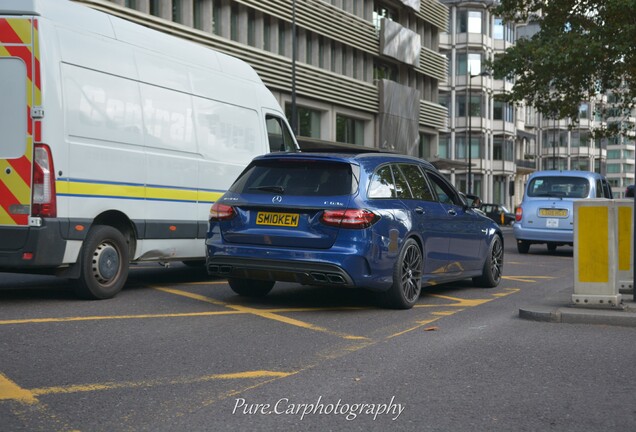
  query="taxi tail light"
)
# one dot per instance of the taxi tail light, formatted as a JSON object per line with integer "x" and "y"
{"x": 350, "y": 218}
{"x": 219, "y": 212}
{"x": 518, "y": 214}
{"x": 44, "y": 196}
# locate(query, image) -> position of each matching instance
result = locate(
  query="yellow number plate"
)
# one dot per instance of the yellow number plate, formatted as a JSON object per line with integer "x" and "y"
{"x": 553, "y": 212}
{"x": 277, "y": 219}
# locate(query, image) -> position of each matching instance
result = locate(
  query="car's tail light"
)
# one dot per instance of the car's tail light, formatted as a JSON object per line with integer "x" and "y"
{"x": 220, "y": 211}
{"x": 350, "y": 218}
{"x": 44, "y": 197}
{"x": 518, "y": 214}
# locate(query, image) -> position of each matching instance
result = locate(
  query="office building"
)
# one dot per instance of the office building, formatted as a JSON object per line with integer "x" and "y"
{"x": 359, "y": 72}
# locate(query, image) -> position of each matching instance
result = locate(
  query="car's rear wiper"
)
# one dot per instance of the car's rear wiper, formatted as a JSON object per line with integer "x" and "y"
{"x": 549, "y": 195}
{"x": 268, "y": 188}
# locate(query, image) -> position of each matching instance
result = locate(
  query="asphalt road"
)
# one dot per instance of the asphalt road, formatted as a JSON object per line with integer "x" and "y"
{"x": 178, "y": 351}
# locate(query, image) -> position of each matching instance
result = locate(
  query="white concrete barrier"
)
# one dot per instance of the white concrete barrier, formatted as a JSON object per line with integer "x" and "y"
{"x": 603, "y": 248}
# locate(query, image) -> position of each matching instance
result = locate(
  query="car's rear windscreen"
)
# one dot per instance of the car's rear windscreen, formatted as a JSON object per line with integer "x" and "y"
{"x": 297, "y": 177}
{"x": 559, "y": 186}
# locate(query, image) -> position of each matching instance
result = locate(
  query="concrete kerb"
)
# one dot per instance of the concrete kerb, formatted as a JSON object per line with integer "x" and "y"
{"x": 568, "y": 314}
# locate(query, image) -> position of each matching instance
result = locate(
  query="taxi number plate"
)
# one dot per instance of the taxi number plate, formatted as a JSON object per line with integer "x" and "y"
{"x": 553, "y": 212}
{"x": 552, "y": 223}
{"x": 277, "y": 219}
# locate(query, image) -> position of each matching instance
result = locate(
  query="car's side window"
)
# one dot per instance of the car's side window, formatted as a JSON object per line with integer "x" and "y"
{"x": 416, "y": 180}
{"x": 382, "y": 185}
{"x": 599, "y": 189}
{"x": 402, "y": 188}
{"x": 445, "y": 194}
{"x": 607, "y": 189}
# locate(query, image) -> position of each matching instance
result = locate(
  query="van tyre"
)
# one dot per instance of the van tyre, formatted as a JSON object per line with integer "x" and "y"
{"x": 407, "y": 278}
{"x": 250, "y": 287}
{"x": 104, "y": 263}
{"x": 493, "y": 266}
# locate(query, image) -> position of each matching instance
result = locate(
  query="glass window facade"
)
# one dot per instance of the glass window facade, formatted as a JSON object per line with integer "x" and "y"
{"x": 503, "y": 149}
{"x": 468, "y": 64}
{"x": 308, "y": 121}
{"x": 234, "y": 22}
{"x": 154, "y": 7}
{"x": 383, "y": 10}
{"x": 475, "y": 146}
{"x": 349, "y": 130}
{"x": 443, "y": 147}
{"x": 503, "y": 111}
{"x": 469, "y": 21}
{"x": 384, "y": 70}
{"x": 503, "y": 31}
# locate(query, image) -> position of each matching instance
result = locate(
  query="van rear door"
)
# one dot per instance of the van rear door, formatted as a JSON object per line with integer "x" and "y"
{"x": 19, "y": 87}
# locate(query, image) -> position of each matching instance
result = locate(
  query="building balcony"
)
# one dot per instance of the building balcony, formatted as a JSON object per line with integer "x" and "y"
{"x": 503, "y": 167}
{"x": 525, "y": 166}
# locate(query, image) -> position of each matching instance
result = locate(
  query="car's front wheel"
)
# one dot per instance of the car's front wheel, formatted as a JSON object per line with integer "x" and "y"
{"x": 250, "y": 287}
{"x": 493, "y": 266}
{"x": 407, "y": 277}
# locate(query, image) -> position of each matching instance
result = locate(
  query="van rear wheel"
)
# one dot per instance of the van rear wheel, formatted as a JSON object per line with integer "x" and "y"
{"x": 104, "y": 263}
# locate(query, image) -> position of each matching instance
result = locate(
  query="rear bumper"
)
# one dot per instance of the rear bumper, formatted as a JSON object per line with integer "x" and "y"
{"x": 32, "y": 248}
{"x": 347, "y": 267}
{"x": 307, "y": 273}
{"x": 542, "y": 235}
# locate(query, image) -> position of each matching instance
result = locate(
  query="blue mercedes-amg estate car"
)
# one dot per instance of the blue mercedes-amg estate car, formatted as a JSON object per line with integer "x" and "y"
{"x": 385, "y": 222}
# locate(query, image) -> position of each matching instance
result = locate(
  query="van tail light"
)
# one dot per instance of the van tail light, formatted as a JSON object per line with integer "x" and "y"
{"x": 350, "y": 218}
{"x": 44, "y": 203}
{"x": 219, "y": 212}
{"x": 518, "y": 214}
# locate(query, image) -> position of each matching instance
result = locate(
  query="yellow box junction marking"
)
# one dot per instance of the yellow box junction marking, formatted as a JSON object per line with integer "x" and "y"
{"x": 420, "y": 324}
{"x": 527, "y": 279}
{"x": 261, "y": 313}
{"x": 11, "y": 391}
{"x": 460, "y": 302}
{"x": 158, "y": 382}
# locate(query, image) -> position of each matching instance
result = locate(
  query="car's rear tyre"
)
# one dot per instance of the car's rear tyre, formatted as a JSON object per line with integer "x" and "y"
{"x": 407, "y": 278}
{"x": 493, "y": 266}
{"x": 552, "y": 247}
{"x": 104, "y": 264}
{"x": 250, "y": 287}
{"x": 523, "y": 247}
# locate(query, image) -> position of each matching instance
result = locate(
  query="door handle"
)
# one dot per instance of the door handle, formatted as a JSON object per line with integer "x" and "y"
{"x": 452, "y": 212}
{"x": 419, "y": 210}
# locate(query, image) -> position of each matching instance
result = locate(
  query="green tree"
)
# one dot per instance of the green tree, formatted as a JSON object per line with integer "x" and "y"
{"x": 582, "y": 48}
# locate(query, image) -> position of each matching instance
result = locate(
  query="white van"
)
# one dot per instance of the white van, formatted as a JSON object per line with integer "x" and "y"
{"x": 114, "y": 141}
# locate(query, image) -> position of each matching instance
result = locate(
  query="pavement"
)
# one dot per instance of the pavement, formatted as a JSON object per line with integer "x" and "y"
{"x": 560, "y": 309}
